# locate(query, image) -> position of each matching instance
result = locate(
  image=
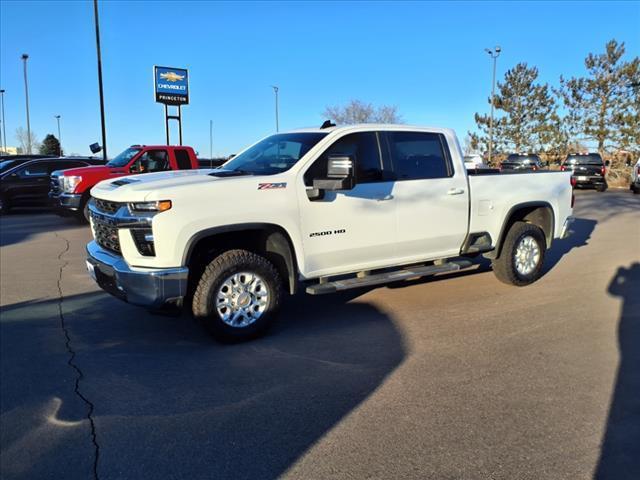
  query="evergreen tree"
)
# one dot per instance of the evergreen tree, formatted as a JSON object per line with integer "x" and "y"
{"x": 50, "y": 146}
{"x": 600, "y": 106}
{"x": 525, "y": 113}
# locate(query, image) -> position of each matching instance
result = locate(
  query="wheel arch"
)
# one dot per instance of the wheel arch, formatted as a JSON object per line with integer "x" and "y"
{"x": 267, "y": 239}
{"x": 539, "y": 213}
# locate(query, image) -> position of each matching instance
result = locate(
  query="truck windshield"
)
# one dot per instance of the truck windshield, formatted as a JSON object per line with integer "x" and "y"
{"x": 274, "y": 154}
{"x": 124, "y": 158}
{"x": 591, "y": 159}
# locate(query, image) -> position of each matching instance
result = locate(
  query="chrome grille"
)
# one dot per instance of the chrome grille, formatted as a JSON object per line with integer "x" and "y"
{"x": 105, "y": 235}
{"x": 107, "y": 206}
{"x": 55, "y": 185}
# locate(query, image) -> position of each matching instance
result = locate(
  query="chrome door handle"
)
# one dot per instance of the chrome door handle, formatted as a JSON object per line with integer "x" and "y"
{"x": 455, "y": 191}
{"x": 385, "y": 198}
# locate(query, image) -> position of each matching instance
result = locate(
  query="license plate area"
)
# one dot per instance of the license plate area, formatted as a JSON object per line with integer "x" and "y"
{"x": 582, "y": 178}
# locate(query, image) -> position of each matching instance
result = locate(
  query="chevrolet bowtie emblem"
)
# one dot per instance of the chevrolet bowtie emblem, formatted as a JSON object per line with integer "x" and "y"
{"x": 171, "y": 76}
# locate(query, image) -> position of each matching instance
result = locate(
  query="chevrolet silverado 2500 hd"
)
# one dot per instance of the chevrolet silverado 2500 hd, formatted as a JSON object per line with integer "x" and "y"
{"x": 320, "y": 210}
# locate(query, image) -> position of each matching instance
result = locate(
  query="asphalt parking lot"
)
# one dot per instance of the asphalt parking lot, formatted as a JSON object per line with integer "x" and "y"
{"x": 459, "y": 377}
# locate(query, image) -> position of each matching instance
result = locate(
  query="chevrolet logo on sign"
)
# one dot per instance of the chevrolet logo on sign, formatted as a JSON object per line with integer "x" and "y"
{"x": 171, "y": 85}
{"x": 171, "y": 76}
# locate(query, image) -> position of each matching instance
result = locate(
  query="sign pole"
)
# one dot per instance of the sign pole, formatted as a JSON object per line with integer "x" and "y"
{"x": 166, "y": 122}
{"x": 180, "y": 123}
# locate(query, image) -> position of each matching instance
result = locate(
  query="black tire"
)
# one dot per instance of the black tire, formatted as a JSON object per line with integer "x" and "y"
{"x": 504, "y": 267}
{"x": 601, "y": 188}
{"x": 82, "y": 215}
{"x": 220, "y": 269}
{"x": 635, "y": 189}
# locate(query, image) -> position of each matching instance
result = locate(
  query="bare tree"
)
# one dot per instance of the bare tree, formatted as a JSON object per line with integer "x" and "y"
{"x": 357, "y": 111}
{"x": 23, "y": 141}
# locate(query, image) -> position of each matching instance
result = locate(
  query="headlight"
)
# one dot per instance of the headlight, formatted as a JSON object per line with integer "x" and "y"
{"x": 158, "y": 206}
{"x": 69, "y": 183}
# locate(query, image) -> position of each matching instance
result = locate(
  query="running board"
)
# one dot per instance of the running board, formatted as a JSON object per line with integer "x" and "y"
{"x": 386, "y": 277}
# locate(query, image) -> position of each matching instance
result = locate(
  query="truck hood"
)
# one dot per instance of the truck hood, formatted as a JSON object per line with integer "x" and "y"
{"x": 163, "y": 185}
{"x": 97, "y": 170}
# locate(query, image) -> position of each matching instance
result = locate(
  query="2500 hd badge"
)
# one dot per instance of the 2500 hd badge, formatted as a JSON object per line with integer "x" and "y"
{"x": 328, "y": 232}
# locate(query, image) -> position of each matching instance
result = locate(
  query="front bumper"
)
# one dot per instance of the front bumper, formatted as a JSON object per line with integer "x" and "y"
{"x": 66, "y": 201}
{"x": 149, "y": 287}
{"x": 566, "y": 228}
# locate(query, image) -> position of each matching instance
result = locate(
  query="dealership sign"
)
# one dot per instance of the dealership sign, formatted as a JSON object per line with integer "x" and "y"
{"x": 171, "y": 85}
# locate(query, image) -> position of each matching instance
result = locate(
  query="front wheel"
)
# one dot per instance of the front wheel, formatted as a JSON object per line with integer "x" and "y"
{"x": 522, "y": 255}
{"x": 238, "y": 295}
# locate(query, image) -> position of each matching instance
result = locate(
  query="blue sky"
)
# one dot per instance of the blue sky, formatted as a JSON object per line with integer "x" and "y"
{"x": 425, "y": 57}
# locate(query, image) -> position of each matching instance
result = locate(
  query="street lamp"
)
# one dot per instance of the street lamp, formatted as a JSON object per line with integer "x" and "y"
{"x": 211, "y": 139}
{"x": 59, "y": 137}
{"x": 495, "y": 53}
{"x": 275, "y": 90}
{"x": 25, "y": 57}
{"x": 104, "y": 130}
{"x": 4, "y": 130}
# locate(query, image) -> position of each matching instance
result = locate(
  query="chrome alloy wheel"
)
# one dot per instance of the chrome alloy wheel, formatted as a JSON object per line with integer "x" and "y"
{"x": 527, "y": 255}
{"x": 242, "y": 299}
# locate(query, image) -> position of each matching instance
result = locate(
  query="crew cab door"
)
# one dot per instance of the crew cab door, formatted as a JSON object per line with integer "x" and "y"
{"x": 432, "y": 200}
{"x": 352, "y": 229}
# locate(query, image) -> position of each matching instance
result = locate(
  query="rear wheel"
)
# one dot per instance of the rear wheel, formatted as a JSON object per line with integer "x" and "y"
{"x": 635, "y": 189}
{"x": 522, "y": 255}
{"x": 601, "y": 188}
{"x": 238, "y": 295}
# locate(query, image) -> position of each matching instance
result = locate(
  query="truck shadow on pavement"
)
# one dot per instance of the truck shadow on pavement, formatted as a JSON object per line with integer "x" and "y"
{"x": 582, "y": 230}
{"x": 172, "y": 403}
{"x": 620, "y": 453}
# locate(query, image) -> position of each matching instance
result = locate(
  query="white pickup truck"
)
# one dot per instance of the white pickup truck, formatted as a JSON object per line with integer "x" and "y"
{"x": 319, "y": 210}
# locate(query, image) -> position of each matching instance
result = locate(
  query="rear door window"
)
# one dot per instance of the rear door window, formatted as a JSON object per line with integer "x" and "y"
{"x": 419, "y": 155}
{"x": 182, "y": 159}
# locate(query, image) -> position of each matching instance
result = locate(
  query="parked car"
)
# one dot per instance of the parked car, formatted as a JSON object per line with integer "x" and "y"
{"x": 473, "y": 162}
{"x": 319, "y": 210}
{"x": 69, "y": 189}
{"x": 25, "y": 182}
{"x": 587, "y": 170}
{"x": 10, "y": 161}
{"x": 635, "y": 178}
{"x": 522, "y": 161}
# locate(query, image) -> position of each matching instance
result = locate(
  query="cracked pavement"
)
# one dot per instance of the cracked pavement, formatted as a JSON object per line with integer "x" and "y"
{"x": 460, "y": 377}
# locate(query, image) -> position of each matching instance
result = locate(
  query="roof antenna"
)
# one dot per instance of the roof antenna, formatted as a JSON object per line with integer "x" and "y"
{"x": 327, "y": 124}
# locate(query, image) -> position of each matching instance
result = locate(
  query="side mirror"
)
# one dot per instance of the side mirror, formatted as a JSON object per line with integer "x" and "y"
{"x": 340, "y": 174}
{"x": 607, "y": 163}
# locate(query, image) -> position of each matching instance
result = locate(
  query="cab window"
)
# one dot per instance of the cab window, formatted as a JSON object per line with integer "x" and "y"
{"x": 151, "y": 161}
{"x": 418, "y": 155}
{"x": 182, "y": 159}
{"x": 363, "y": 147}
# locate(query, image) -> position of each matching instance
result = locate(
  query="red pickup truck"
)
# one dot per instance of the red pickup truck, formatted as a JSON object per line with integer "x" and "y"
{"x": 70, "y": 188}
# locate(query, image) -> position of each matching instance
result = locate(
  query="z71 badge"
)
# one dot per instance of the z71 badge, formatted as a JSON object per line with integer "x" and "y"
{"x": 271, "y": 186}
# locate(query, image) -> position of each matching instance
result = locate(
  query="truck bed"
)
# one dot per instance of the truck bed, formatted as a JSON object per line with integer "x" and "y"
{"x": 493, "y": 195}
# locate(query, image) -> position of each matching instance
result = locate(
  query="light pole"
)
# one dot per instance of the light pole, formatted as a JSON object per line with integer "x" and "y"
{"x": 25, "y": 57}
{"x": 104, "y": 130}
{"x": 211, "y": 139}
{"x": 59, "y": 137}
{"x": 275, "y": 90}
{"x": 495, "y": 53}
{"x": 4, "y": 130}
